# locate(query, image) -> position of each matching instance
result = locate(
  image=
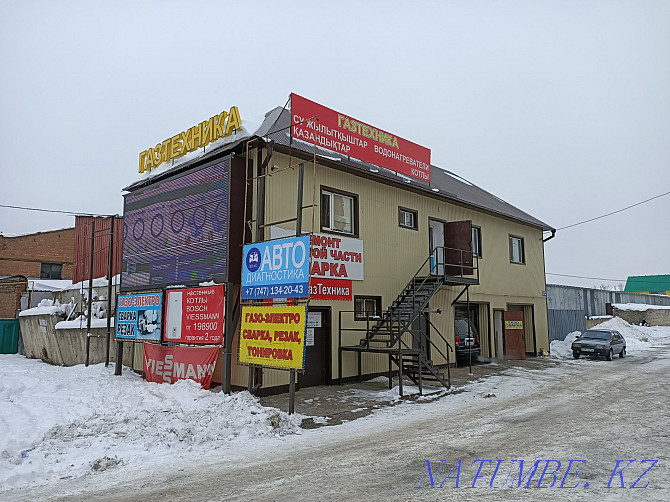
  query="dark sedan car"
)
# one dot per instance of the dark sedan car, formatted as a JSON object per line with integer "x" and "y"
{"x": 599, "y": 342}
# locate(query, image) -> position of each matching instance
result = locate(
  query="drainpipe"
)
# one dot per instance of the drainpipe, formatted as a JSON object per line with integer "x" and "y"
{"x": 553, "y": 234}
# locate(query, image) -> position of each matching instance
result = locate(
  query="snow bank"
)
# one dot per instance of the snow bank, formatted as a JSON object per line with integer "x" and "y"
{"x": 66, "y": 422}
{"x": 638, "y": 338}
{"x": 563, "y": 348}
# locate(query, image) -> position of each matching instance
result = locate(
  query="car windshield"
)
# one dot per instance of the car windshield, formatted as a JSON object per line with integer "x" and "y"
{"x": 461, "y": 326}
{"x": 597, "y": 335}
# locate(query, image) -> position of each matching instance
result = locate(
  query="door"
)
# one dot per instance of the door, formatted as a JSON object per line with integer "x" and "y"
{"x": 420, "y": 329}
{"x": 459, "y": 248}
{"x": 317, "y": 349}
{"x": 498, "y": 333}
{"x": 436, "y": 242}
{"x": 515, "y": 341}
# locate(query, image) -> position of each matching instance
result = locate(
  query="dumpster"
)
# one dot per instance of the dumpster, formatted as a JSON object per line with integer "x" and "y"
{"x": 9, "y": 336}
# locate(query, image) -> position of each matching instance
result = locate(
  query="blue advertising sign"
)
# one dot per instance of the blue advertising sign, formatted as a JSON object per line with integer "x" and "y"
{"x": 276, "y": 269}
{"x": 138, "y": 317}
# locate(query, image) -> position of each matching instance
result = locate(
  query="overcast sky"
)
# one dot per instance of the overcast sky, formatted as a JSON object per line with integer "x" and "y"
{"x": 561, "y": 108}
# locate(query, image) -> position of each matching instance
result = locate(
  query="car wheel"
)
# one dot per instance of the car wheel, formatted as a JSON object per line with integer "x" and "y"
{"x": 609, "y": 355}
{"x": 575, "y": 354}
{"x": 622, "y": 354}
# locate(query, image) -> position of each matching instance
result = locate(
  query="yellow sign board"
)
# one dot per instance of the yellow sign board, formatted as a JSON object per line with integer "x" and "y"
{"x": 273, "y": 336}
{"x": 513, "y": 324}
{"x": 219, "y": 126}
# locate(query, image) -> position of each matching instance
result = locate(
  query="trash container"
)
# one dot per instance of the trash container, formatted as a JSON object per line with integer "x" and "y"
{"x": 9, "y": 336}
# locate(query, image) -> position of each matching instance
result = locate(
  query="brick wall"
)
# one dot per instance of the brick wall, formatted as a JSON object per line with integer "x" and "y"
{"x": 24, "y": 255}
{"x": 653, "y": 317}
{"x": 10, "y": 296}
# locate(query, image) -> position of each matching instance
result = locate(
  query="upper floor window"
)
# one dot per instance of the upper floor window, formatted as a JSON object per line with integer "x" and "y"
{"x": 516, "y": 249}
{"x": 477, "y": 242}
{"x": 339, "y": 211}
{"x": 407, "y": 218}
{"x": 51, "y": 271}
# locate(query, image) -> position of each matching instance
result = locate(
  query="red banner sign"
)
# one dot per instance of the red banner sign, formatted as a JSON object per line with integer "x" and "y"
{"x": 195, "y": 315}
{"x": 168, "y": 364}
{"x": 321, "y": 288}
{"x": 348, "y": 136}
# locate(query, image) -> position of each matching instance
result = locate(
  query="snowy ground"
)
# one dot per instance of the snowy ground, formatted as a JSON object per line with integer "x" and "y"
{"x": 67, "y": 431}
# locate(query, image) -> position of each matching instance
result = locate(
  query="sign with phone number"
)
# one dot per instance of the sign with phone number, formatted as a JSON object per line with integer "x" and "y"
{"x": 276, "y": 269}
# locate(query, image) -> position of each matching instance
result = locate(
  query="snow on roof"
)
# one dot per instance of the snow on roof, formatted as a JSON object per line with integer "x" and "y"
{"x": 100, "y": 282}
{"x": 639, "y": 307}
{"x": 48, "y": 284}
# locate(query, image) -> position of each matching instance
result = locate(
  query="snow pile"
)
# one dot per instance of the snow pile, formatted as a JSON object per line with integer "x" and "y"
{"x": 46, "y": 306}
{"x": 66, "y": 422}
{"x": 638, "y": 338}
{"x": 563, "y": 348}
{"x": 639, "y": 307}
{"x": 80, "y": 323}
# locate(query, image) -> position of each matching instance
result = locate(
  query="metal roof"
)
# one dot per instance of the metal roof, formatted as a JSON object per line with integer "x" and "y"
{"x": 443, "y": 185}
{"x": 637, "y": 283}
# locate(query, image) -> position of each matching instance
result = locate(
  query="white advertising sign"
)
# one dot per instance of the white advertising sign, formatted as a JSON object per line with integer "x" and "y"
{"x": 337, "y": 257}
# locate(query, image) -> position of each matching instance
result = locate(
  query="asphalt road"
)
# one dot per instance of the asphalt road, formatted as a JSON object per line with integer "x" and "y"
{"x": 598, "y": 412}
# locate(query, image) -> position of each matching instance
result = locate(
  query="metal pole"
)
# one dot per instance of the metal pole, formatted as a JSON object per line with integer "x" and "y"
{"x": 298, "y": 223}
{"x": 298, "y": 231}
{"x": 467, "y": 290}
{"x": 90, "y": 294}
{"x": 291, "y": 393}
{"x": 109, "y": 289}
{"x": 228, "y": 340}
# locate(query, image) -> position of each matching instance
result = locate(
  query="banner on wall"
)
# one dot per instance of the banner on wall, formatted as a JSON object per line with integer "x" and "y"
{"x": 195, "y": 315}
{"x": 273, "y": 336}
{"x": 138, "y": 316}
{"x": 330, "y": 289}
{"x": 314, "y": 123}
{"x": 336, "y": 257}
{"x": 276, "y": 269}
{"x": 164, "y": 364}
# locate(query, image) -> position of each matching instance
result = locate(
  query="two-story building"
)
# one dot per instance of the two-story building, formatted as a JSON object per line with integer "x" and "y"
{"x": 429, "y": 249}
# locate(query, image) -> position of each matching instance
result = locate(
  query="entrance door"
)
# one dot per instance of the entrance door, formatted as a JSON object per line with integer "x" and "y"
{"x": 498, "y": 333}
{"x": 317, "y": 349}
{"x": 420, "y": 329}
{"x": 515, "y": 340}
{"x": 436, "y": 243}
{"x": 459, "y": 248}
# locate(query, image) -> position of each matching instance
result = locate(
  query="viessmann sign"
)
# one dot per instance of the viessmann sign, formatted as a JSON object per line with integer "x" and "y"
{"x": 348, "y": 136}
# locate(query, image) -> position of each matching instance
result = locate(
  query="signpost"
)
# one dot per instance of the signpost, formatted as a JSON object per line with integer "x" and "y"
{"x": 276, "y": 269}
{"x": 138, "y": 316}
{"x": 273, "y": 336}
{"x": 195, "y": 315}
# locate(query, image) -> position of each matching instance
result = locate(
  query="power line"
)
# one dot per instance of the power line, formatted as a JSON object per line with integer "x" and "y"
{"x": 613, "y": 212}
{"x": 582, "y": 277}
{"x": 71, "y": 213}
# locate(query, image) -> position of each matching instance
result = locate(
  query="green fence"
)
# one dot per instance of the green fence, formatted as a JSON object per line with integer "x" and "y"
{"x": 9, "y": 336}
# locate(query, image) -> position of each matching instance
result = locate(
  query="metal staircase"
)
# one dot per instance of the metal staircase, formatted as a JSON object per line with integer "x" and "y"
{"x": 407, "y": 315}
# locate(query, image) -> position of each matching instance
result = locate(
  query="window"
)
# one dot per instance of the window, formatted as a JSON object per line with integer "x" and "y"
{"x": 408, "y": 218}
{"x": 339, "y": 211}
{"x": 477, "y": 242}
{"x": 51, "y": 271}
{"x": 516, "y": 252}
{"x": 366, "y": 307}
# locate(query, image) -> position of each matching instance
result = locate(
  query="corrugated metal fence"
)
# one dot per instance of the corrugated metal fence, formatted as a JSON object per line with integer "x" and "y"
{"x": 568, "y": 306}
